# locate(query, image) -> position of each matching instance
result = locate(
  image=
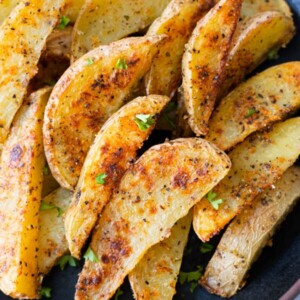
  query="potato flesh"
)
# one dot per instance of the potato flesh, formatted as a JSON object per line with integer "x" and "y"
{"x": 86, "y": 96}
{"x": 52, "y": 240}
{"x": 204, "y": 60}
{"x": 101, "y": 22}
{"x": 177, "y": 21}
{"x": 246, "y": 236}
{"x": 267, "y": 97}
{"x": 21, "y": 177}
{"x": 252, "y": 44}
{"x": 6, "y": 6}
{"x": 256, "y": 164}
{"x": 112, "y": 153}
{"x": 159, "y": 189}
{"x": 72, "y": 9}
{"x": 155, "y": 276}
{"x": 22, "y": 38}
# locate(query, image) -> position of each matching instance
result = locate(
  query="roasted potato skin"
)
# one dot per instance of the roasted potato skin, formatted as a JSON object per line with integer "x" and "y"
{"x": 86, "y": 96}
{"x": 177, "y": 22}
{"x": 248, "y": 234}
{"x": 101, "y": 22}
{"x": 52, "y": 239}
{"x": 21, "y": 43}
{"x": 159, "y": 189}
{"x": 6, "y": 6}
{"x": 204, "y": 60}
{"x": 257, "y": 163}
{"x": 21, "y": 177}
{"x": 255, "y": 104}
{"x": 155, "y": 276}
{"x": 252, "y": 44}
{"x": 112, "y": 153}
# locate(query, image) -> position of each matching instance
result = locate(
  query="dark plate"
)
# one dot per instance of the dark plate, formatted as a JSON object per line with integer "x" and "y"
{"x": 271, "y": 276}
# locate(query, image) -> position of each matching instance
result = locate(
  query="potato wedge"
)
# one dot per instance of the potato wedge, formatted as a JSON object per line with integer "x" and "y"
{"x": 155, "y": 276}
{"x": 177, "y": 22}
{"x": 113, "y": 152}
{"x": 252, "y": 44}
{"x": 256, "y": 164}
{"x": 72, "y": 9}
{"x": 246, "y": 236}
{"x": 6, "y": 6}
{"x": 255, "y": 104}
{"x": 104, "y": 21}
{"x": 21, "y": 178}
{"x": 88, "y": 93}
{"x": 52, "y": 240}
{"x": 158, "y": 190}
{"x": 204, "y": 60}
{"x": 21, "y": 44}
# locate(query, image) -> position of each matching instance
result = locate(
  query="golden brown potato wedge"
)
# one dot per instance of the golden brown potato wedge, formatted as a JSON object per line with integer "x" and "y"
{"x": 157, "y": 191}
{"x": 21, "y": 178}
{"x": 6, "y": 6}
{"x": 112, "y": 153}
{"x": 253, "y": 43}
{"x": 204, "y": 60}
{"x": 255, "y": 104}
{"x": 88, "y": 93}
{"x": 101, "y": 22}
{"x": 21, "y": 44}
{"x": 52, "y": 240}
{"x": 72, "y": 9}
{"x": 257, "y": 163}
{"x": 177, "y": 22}
{"x": 248, "y": 234}
{"x": 155, "y": 276}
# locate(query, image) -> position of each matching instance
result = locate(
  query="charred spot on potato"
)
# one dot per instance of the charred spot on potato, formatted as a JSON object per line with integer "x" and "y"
{"x": 180, "y": 180}
{"x": 15, "y": 156}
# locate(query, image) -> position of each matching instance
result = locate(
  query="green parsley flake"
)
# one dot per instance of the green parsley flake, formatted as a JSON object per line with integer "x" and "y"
{"x": 46, "y": 206}
{"x": 250, "y": 112}
{"x": 90, "y": 255}
{"x": 63, "y": 22}
{"x": 67, "y": 259}
{"x": 214, "y": 202}
{"x": 191, "y": 277}
{"x": 206, "y": 247}
{"x": 46, "y": 170}
{"x": 100, "y": 178}
{"x": 170, "y": 108}
{"x": 144, "y": 121}
{"x": 118, "y": 293}
{"x": 89, "y": 61}
{"x": 273, "y": 55}
{"x": 121, "y": 64}
{"x": 46, "y": 292}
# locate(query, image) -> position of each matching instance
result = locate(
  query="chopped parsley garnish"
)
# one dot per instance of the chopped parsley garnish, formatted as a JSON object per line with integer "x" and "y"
{"x": 50, "y": 82}
{"x": 144, "y": 121}
{"x": 90, "y": 255}
{"x": 250, "y": 112}
{"x": 46, "y": 206}
{"x": 206, "y": 247}
{"x": 67, "y": 259}
{"x": 89, "y": 61}
{"x": 121, "y": 64}
{"x": 63, "y": 22}
{"x": 118, "y": 293}
{"x": 273, "y": 55}
{"x": 191, "y": 277}
{"x": 46, "y": 292}
{"x": 170, "y": 108}
{"x": 211, "y": 197}
{"x": 46, "y": 170}
{"x": 100, "y": 178}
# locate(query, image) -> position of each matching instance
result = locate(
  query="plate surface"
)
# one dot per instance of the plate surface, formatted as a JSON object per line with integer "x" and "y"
{"x": 275, "y": 271}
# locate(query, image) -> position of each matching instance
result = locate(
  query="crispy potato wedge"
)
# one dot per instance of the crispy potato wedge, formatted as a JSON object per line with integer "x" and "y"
{"x": 158, "y": 190}
{"x": 177, "y": 22}
{"x": 101, "y": 22}
{"x": 204, "y": 60}
{"x": 6, "y": 6}
{"x": 88, "y": 93}
{"x": 72, "y": 9}
{"x": 21, "y": 44}
{"x": 256, "y": 164}
{"x": 246, "y": 236}
{"x": 155, "y": 276}
{"x": 113, "y": 152}
{"x": 21, "y": 178}
{"x": 255, "y": 104}
{"x": 52, "y": 240}
{"x": 252, "y": 44}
